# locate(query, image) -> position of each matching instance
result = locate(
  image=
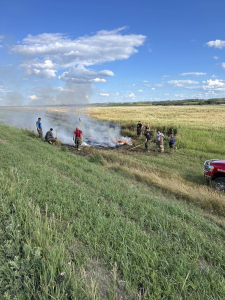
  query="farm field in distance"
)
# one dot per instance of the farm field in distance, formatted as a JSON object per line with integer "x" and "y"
{"x": 118, "y": 223}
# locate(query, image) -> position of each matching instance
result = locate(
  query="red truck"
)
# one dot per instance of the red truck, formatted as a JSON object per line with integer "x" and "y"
{"x": 214, "y": 173}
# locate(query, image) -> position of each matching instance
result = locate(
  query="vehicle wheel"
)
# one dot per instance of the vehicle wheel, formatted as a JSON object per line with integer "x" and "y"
{"x": 219, "y": 184}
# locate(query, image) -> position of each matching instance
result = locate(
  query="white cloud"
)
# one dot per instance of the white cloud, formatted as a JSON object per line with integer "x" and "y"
{"x": 180, "y": 83}
{"x": 33, "y": 97}
{"x": 214, "y": 76}
{"x": 57, "y": 51}
{"x": 153, "y": 89}
{"x": 159, "y": 85}
{"x": 216, "y": 44}
{"x": 80, "y": 74}
{"x": 179, "y": 95}
{"x": 193, "y": 73}
{"x": 98, "y": 80}
{"x": 215, "y": 57}
{"x": 4, "y": 90}
{"x": 193, "y": 87}
{"x": 140, "y": 91}
{"x": 131, "y": 95}
{"x": 216, "y": 85}
{"x": 145, "y": 81}
{"x": 104, "y": 95}
{"x": 166, "y": 94}
{"x": 223, "y": 65}
{"x": 165, "y": 76}
{"x": 116, "y": 94}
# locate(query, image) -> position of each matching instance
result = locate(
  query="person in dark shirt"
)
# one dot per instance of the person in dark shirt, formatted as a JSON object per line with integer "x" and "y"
{"x": 139, "y": 128}
{"x": 147, "y": 128}
{"x": 172, "y": 141}
{"x": 147, "y": 141}
{"x": 49, "y": 136}
{"x": 77, "y": 137}
{"x": 39, "y": 128}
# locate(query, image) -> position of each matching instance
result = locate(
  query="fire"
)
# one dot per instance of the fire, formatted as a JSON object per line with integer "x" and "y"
{"x": 122, "y": 142}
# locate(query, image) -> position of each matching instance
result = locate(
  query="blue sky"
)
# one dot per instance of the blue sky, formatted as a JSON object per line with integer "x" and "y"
{"x": 54, "y": 52}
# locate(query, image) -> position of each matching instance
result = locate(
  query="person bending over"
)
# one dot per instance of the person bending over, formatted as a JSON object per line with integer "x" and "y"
{"x": 49, "y": 136}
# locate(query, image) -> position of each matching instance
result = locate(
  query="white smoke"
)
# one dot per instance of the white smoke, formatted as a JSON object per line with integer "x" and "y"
{"x": 65, "y": 120}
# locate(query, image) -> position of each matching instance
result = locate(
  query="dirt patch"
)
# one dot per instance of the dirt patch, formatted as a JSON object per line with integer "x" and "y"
{"x": 100, "y": 282}
{"x": 203, "y": 265}
{"x": 3, "y": 141}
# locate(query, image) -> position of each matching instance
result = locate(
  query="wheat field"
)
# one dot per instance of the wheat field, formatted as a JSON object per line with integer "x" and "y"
{"x": 195, "y": 117}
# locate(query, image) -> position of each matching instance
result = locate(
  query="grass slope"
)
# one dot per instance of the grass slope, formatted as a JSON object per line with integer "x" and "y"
{"x": 59, "y": 212}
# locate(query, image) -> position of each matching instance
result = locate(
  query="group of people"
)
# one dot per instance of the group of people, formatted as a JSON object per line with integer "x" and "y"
{"x": 51, "y": 139}
{"x": 48, "y": 136}
{"x": 77, "y": 136}
{"x": 159, "y": 139}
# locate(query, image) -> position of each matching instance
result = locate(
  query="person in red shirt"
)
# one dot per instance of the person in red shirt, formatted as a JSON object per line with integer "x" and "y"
{"x": 77, "y": 138}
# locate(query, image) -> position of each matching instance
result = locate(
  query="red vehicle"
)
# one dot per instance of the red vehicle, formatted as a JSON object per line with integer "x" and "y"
{"x": 214, "y": 172}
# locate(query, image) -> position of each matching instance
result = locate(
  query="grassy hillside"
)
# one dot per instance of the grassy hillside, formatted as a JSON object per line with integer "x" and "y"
{"x": 78, "y": 228}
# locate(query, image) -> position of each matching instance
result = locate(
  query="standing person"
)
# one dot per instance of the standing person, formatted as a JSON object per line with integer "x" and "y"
{"x": 172, "y": 142}
{"x": 77, "y": 138}
{"x": 139, "y": 128}
{"x": 147, "y": 128}
{"x": 49, "y": 136}
{"x": 39, "y": 128}
{"x": 147, "y": 141}
{"x": 159, "y": 141}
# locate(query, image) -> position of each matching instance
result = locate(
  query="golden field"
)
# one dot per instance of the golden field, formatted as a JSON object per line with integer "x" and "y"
{"x": 202, "y": 117}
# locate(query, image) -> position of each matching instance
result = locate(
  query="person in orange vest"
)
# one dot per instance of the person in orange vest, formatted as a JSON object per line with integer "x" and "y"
{"x": 77, "y": 138}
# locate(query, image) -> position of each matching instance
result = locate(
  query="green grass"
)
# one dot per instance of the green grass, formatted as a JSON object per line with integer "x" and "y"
{"x": 70, "y": 209}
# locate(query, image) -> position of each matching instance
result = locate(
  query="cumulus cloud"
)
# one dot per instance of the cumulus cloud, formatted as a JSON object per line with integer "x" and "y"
{"x": 159, "y": 85}
{"x": 193, "y": 73}
{"x": 223, "y": 65}
{"x": 80, "y": 74}
{"x": 33, "y": 97}
{"x": 180, "y": 83}
{"x": 214, "y": 76}
{"x": 140, "y": 91}
{"x": 105, "y": 95}
{"x": 216, "y": 85}
{"x": 56, "y": 51}
{"x": 131, "y": 95}
{"x": 216, "y": 44}
{"x": 215, "y": 57}
{"x": 153, "y": 89}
